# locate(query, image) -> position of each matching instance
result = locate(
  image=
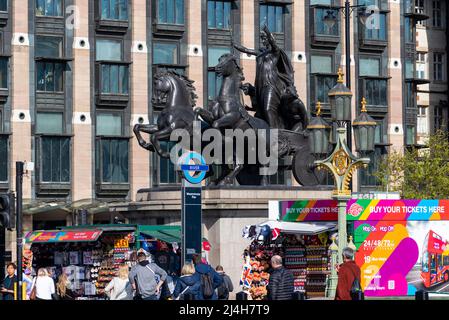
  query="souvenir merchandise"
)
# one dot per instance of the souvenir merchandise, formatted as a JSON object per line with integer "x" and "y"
{"x": 307, "y": 257}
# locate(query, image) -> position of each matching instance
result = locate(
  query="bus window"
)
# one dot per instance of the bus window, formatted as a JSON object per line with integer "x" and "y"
{"x": 433, "y": 264}
{"x": 425, "y": 262}
{"x": 440, "y": 262}
{"x": 446, "y": 260}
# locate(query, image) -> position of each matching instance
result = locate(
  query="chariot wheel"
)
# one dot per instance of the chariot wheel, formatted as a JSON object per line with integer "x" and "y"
{"x": 303, "y": 171}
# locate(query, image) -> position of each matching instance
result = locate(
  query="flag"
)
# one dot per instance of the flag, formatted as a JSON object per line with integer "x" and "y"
{"x": 247, "y": 274}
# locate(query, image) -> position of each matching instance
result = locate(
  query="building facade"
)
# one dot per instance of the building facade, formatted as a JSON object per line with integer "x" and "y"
{"x": 75, "y": 77}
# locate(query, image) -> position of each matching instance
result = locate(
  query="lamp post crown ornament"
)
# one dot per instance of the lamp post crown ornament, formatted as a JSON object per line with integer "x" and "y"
{"x": 333, "y": 246}
{"x": 318, "y": 108}
{"x": 364, "y": 105}
{"x": 340, "y": 75}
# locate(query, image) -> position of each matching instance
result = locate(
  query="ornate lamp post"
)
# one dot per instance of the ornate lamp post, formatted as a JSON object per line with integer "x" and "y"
{"x": 342, "y": 163}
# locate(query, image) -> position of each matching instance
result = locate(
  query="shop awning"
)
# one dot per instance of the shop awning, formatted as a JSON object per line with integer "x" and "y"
{"x": 63, "y": 236}
{"x": 168, "y": 234}
{"x": 306, "y": 228}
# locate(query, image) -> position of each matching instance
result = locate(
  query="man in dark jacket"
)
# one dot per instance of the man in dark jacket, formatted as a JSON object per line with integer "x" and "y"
{"x": 226, "y": 287}
{"x": 281, "y": 283}
{"x": 348, "y": 271}
{"x": 205, "y": 269}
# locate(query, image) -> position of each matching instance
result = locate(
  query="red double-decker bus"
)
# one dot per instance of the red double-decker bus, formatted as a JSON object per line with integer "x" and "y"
{"x": 434, "y": 260}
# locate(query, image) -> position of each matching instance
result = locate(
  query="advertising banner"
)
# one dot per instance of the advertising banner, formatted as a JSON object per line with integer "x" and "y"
{"x": 402, "y": 245}
{"x": 308, "y": 210}
{"x": 63, "y": 236}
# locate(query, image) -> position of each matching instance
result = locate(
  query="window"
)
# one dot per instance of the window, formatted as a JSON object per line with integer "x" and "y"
{"x": 171, "y": 11}
{"x": 375, "y": 92}
{"x": 411, "y": 135}
{"x": 437, "y": 118}
{"x": 376, "y": 29}
{"x": 409, "y": 65}
{"x": 273, "y": 17}
{"x": 219, "y": 14}
{"x": 109, "y": 50}
{"x": 3, "y": 73}
{"x": 4, "y": 158}
{"x": 114, "y": 79}
{"x": 214, "y": 80}
{"x": 323, "y": 80}
{"x": 436, "y": 14}
{"x": 49, "y": 122}
{"x": 114, "y": 9}
{"x": 48, "y": 8}
{"x": 114, "y": 76}
{"x": 367, "y": 177}
{"x": 49, "y": 47}
{"x": 165, "y": 53}
{"x": 369, "y": 67}
{"x": 49, "y": 76}
{"x": 112, "y": 149}
{"x": 109, "y": 124}
{"x": 421, "y": 65}
{"x": 438, "y": 66}
{"x": 408, "y": 30}
{"x": 55, "y": 159}
{"x": 422, "y": 120}
{"x": 324, "y": 2}
{"x": 322, "y": 28}
{"x": 419, "y": 8}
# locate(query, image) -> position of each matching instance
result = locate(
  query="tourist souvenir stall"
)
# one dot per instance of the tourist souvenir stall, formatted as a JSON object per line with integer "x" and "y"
{"x": 302, "y": 244}
{"x": 90, "y": 255}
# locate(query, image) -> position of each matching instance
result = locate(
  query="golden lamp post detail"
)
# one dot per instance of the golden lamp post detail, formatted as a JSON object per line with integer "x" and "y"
{"x": 342, "y": 163}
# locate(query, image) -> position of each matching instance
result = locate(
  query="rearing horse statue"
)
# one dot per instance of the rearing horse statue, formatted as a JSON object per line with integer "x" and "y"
{"x": 179, "y": 95}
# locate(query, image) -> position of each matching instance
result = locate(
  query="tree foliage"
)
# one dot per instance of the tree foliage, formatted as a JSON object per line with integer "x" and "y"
{"x": 418, "y": 173}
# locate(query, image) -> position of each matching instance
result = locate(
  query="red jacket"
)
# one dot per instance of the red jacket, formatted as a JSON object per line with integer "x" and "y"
{"x": 346, "y": 274}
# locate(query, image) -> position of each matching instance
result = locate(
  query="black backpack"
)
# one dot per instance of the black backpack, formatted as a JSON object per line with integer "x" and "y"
{"x": 356, "y": 289}
{"x": 222, "y": 290}
{"x": 207, "y": 286}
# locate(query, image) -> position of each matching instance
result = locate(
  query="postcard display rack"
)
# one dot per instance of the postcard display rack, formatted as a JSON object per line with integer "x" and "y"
{"x": 310, "y": 267}
{"x": 89, "y": 266}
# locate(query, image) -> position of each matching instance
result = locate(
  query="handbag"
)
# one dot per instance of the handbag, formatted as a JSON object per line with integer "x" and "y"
{"x": 356, "y": 289}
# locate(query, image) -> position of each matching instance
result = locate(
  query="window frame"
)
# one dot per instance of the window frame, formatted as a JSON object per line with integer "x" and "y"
{"x": 61, "y": 54}
{"x": 275, "y": 5}
{"x": 116, "y": 39}
{"x": 231, "y": 20}
{"x": 50, "y": 16}
{"x": 40, "y": 165}
{"x": 100, "y": 8}
{"x": 157, "y": 12}
{"x": 441, "y": 65}
{"x": 314, "y": 77}
{"x": 62, "y": 81}
{"x": 211, "y": 71}
{"x": 438, "y": 12}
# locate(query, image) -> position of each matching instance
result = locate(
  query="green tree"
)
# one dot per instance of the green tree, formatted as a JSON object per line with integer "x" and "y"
{"x": 418, "y": 173}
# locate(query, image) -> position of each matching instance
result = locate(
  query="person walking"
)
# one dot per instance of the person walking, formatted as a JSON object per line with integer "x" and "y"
{"x": 44, "y": 286}
{"x": 7, "y": 288}
{"x": 143, "y": 278}
{"x": 187, "y": 283}
{"x": 348, "y": 275}
{"x": 208, "y": 278}
{"x": 281, "y": 285}
{"x": 226, "y": 287}
{"x": 62, "y": 288}
{"x": 119, "y": 288}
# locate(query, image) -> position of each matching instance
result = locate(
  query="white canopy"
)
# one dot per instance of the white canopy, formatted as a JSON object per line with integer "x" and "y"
{"x": 306, "y": 228}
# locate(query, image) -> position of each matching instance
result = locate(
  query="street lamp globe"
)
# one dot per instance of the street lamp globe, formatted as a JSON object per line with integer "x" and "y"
{"x": 319, "y": 134}
{"x": 364, "y": 131}
{"x": 340, "y": 100}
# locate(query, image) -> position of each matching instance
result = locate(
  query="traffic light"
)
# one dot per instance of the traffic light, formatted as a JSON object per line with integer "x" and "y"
{"x": 7, "y": 212}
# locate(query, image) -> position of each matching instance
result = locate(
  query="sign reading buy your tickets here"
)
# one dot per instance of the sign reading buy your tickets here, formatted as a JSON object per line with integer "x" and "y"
{"x": 402, "y": 245}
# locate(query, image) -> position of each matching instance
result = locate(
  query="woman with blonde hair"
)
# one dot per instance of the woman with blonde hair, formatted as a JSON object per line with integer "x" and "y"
{"x": 62, "y": 288}
{"x": 119, "y": 288}
{"x": 43, "y": 286}
{"x": 187, "y": 284}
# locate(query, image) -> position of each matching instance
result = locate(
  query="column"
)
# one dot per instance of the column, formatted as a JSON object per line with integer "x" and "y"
{"x": 247, "y": 40}
{"x": 140, "y": 158}
{"x": 194, "y": 48}
{"x": 82, "y": 155}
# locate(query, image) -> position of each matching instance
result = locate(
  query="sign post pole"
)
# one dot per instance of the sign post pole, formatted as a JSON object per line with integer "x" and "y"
{"x": 191, "y": 215}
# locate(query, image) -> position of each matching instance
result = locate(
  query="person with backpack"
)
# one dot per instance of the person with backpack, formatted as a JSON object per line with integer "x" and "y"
{"x": 281, "y": 283}
{"x": 226, "y": 286}
{"x": 348, "y": 276}
{"x": 146, "y": 278}
{"x": 187, "y": 284}
{"x": 209, "y": 279}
